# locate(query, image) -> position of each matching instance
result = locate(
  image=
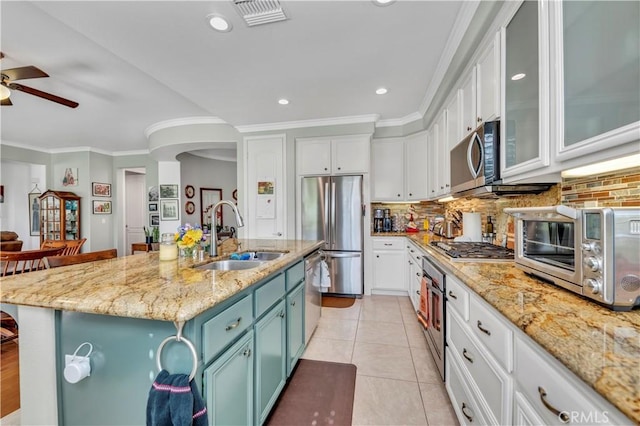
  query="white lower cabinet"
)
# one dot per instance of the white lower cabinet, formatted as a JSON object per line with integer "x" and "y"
{"x": 388, "y": 266}
{"x": 496, "y": 374}
{"x": 414, "y": 273}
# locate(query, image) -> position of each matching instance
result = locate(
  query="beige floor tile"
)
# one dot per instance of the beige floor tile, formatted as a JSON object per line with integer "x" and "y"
{"x": 387, "y": 402}
{"x": 392, "y": 362}
{"x": 437, "y": 405}
{"x": 426, "y": 369}
{"x": 383, "y": 312}
{"x": 386, "y": 333}
{"x": 405, "y": 305}
{"x": 333, "y": 328}
{"x": 380, "y": 300}
{"x": 352, "y": 312}
{"x": 333, "y": 350}
{"x": 416, "y": 337}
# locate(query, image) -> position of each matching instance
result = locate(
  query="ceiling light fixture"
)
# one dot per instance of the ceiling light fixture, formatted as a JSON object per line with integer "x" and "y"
{"x": 603, "y": 167}
{"x": 283, "y": 101}
{"x": 381, "y": 91}
{"x": 383, "y": 2}
{"x": 4, "y": 92}
{"x": 219, "y": 23}
{"x": 518, "y": 76}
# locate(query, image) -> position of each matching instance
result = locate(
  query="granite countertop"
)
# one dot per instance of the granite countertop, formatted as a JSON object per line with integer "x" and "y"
{"x": 600, "y": 346}
{"x": 142, "y": 286}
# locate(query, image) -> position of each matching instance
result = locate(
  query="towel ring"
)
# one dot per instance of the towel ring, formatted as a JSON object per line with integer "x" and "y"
{"x": 178, "y": 337}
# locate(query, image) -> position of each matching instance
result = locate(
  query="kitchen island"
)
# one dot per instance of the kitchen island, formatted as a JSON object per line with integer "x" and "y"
{"x": 126, "y": 307}
{"x": 600, "y": 346}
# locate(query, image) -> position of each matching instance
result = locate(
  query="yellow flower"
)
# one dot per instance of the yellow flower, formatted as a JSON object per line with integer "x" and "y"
{"x": 190, "y": 238}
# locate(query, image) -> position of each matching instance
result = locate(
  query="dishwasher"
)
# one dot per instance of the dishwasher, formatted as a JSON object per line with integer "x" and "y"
{"x": 313, "y": 294}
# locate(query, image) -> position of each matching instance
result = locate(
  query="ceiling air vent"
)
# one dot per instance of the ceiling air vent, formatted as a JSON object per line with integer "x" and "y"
{"x": 258, "y": 12}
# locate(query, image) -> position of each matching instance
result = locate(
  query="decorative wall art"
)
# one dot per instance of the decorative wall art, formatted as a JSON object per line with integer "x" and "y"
{"x": 70, "y": 176}
{"x": 190, "y": 207}
{"x": 154, "y": 220}
{"x": 208, "y": 198}
{"x": 168, "y": 191}
{"x": 189, "y": 191}
{"x": 153, "y": 207}
{"x": 1, "y": 193}
{"x": 100, "y": 189}
{"x": 169, "y": 209}
{"x": 153, "y": 193}
{"x": 101, "y": 207}
{"x": 34, "y": 213}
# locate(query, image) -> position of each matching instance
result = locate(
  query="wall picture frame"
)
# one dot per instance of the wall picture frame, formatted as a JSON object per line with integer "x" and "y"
{"x": 168, "y": 191}
{"x": 101, "y": 207}
{"x": 153, "y": 193}
{"x": 154, "y": 220}
{"x": 34, "y": 213}
{"x": 153, "y": 207}
{"x": 100, "y": 189}
{"x": 169, "y": 209}
{"x": 70, "y": 176}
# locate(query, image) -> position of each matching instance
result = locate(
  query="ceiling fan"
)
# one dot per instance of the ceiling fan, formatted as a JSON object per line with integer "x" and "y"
{"x": 10, "y": 75}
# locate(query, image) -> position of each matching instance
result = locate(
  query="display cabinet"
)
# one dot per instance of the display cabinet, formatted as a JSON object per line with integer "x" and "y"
{"x": 59, "y": 216}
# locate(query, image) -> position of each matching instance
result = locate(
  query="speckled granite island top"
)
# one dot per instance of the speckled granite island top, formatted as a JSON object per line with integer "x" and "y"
{"x": 142, "y": 286}
{"x": 600, "y": 346}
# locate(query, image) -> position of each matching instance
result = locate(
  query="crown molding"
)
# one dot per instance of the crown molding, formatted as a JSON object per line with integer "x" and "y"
{"x": 185, "y": 121}
{"x": 335, "y": 121}
{"x": 414, "y": 116}
{"x": 25, "y": 146}
{"x": 467, "y": 11}
{"x": 128, "y": 153}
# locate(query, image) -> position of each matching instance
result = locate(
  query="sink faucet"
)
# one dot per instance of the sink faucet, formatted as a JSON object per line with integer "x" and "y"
{"x": 213, "y": 247}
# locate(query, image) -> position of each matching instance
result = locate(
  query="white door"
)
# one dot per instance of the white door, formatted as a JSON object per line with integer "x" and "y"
{"x": 135, "y": 208}
{"x": 265, "y": 187}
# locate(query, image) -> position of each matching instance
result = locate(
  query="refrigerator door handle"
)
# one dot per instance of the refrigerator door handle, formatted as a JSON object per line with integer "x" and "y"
{"x": 326, "y": 214}
{"x": 340, "y": 255}
{"x": 333, "y": 214}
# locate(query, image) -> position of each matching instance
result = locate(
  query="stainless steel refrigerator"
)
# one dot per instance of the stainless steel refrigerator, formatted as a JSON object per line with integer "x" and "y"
{"x": 332, "y": 211}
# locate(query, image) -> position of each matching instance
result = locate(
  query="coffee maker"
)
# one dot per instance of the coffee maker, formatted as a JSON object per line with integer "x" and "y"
{"x": 387, "y": 223}
{"x": 378, "y": 218}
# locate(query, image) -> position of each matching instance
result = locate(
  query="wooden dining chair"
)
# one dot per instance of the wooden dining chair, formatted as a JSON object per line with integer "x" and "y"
{"x": 56, "y": 261}
{"x": 71, "y": 247}
{"x": 20, "y": 262}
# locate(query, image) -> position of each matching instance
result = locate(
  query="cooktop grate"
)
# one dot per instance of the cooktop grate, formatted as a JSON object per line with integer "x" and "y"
{"x": 461, "y": 250}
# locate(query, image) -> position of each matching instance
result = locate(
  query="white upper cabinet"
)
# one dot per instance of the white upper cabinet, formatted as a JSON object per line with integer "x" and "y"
{"x": 525, "y": 130}
{"x": 468, "y": 102}
{"x": 488, "y": 82}
{"x": 387, "y": 169}
{"x": 597, "y": 76}
{"x": 443, "y": 185}
{"x": 327, "y": 156}
{"x": 415, "y": 166}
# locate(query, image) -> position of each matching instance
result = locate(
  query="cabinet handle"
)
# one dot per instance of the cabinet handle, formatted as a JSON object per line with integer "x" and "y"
{"x": 278, "y": 234}
{"x": 469, "y": 417}
{"x": 479, "y": 119}
{"x": 293, "y": 303}
{"x": 388, "y": 244}
{"x": 410, "y": 263}
{"x": 281, "y": 314}
{"x": 452, "y": 295}
{"x": 418, "y": 292}
{"x": 484, "y": 330}
{"x": 465, "y": 354}
{"x": 468, "y": 129}
{"x": 234, "y": 325}
{"x": 247, "y": 352}
{"x": 562, "y": 415}
{"x": 417, "y": 274}
{"x": 411, "y": 250}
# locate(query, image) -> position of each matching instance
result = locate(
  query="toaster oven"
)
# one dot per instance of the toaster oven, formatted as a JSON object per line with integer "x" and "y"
{"x": 594, "y": 252}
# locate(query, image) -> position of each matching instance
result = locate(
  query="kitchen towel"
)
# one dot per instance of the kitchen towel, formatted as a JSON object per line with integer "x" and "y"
{"x": 175, "y": 401}
{"x": 325, "y": 277}
{"x": 472, "y": 226}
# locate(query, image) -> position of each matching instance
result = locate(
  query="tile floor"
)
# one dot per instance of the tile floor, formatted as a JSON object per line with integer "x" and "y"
{"x": 397, "y": 382}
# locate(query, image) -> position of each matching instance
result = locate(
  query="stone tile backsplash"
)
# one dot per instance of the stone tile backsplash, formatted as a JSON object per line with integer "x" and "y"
{"x": 607, "y": 190}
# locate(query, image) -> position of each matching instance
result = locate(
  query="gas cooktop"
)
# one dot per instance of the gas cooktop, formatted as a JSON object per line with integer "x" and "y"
{"x": 464, "y": 250}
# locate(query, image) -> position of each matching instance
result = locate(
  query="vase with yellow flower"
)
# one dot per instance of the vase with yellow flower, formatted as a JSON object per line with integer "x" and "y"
{"x": 189, "y": 239}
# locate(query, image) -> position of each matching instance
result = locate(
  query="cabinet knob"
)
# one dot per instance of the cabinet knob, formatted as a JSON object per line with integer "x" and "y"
{"x": 410, "y": 194}
{"x": 325, "y": 168}
{"x": 398, "y": 195}
{"x": 281, "y": 314}
{"x": 247, "y": 352}
{"x": 468, "y": 129}
{"x": 293, "y": 303}
{"x": 339, "y": 168}
{"x": 378, "y": 256}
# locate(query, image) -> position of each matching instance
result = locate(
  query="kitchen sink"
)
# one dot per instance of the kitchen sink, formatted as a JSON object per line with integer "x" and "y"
{"x": 268, "y": 255}
{"x": 230, "y": 265}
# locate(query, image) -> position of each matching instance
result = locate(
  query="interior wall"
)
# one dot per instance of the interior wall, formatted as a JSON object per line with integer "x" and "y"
{"x": 201, "y": 172}
{"x": 101, "y": 232}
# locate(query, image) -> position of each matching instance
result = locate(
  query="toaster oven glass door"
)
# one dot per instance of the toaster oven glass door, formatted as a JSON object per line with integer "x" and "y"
{"x": 550, "y": 242}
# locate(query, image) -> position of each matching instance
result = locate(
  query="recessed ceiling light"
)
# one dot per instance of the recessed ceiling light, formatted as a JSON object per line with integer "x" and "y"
{"x": 219, "y": 23}
{"x": 517, "y": 77}
{"x": 283, "y": 101}
{"x": 381, "y": 91}
{"x": 383, "y": 2}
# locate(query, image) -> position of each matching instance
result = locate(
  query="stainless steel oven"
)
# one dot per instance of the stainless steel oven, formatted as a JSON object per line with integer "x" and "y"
{"x": 432, "y": 305}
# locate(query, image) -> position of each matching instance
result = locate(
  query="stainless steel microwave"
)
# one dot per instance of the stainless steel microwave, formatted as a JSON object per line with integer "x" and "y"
{"x": 594, "y": 252}
{"x": 475, "y": 166}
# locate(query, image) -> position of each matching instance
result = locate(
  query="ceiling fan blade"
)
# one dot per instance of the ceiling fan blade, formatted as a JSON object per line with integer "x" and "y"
{"x": 41, "y": 94}
{"x": 6, "y": 102}
{"x": 1, "y": 55}
{"x": 24, "y": 72}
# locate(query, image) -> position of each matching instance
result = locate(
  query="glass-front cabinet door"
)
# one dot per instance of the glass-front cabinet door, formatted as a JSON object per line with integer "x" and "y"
{"x": 525, "y": 50}
{"x": 597, "y": 53}
{"x": 59, "y": 216}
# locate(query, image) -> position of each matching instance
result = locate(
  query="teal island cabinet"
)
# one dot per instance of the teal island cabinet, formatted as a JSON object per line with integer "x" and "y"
{"x": 246, "y": 329}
